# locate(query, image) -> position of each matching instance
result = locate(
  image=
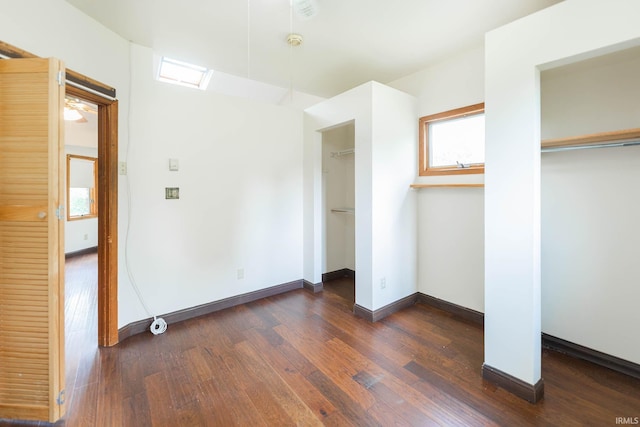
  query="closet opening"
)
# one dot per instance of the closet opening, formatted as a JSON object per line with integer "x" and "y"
{"x": 589, "y": 231}
{"x": 338, "y": 183}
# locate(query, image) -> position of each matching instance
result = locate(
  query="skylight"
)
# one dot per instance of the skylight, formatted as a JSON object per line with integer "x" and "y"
{"x": 183, "y": 73}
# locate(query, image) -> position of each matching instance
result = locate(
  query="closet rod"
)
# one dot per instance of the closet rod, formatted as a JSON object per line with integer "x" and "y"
{"x": 580, "y": 147}
{"x": 343, "y": 152}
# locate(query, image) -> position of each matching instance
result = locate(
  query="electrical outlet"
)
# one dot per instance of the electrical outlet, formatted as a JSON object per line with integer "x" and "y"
{"x": 240, "y": 273}
{"x": 122, "y": 168}
{"x": 86, "y": 236}
{"x": 383, "y": 283}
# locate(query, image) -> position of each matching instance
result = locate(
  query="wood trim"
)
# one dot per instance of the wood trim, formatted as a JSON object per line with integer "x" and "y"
{"x": 452, "y": 114}
{"x": 449, "y": 307}
{"x": 592, "y": 139}
{"x": 418, "y": 186}
{"x": 381, "y": 313}
{"x": 134, "y": 328}
{"x": 84, "y": 81}
{"x": 94, "y": 206}
{"x": 531, "y": 393}
{"x": 338, "y": 274}
{"x": 57, "y": 361}
{"x": 452, "y": 171}
{"x": 107, "y": 215}
{"x": 81, "y": 252}
{"x": 13, "y": 52}
{"x": 423, "y": 143}
{"x": 90, "y": 96}
{"x": 580, "y": 352}
{"x": 363, "y": 312}
{"x": 208, "y": 308}
{"x": 107, "y": 222}
{"x": 313, "y": 287}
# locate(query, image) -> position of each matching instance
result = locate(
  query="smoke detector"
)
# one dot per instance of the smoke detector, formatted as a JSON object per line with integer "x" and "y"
{"x": 294, "y": 39}
{"x": 306, "y": 9}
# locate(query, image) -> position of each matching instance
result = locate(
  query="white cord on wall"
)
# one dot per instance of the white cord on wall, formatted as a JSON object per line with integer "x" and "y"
{"x": 158, "y": 326}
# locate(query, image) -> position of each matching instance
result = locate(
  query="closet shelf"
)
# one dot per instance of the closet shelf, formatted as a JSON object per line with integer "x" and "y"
{"x": 351, "y": 211}
{"x": 593, "y": 139}
{"x": 418, "y": 186}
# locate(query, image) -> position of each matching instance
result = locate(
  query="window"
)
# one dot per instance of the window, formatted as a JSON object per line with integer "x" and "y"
{"x": 82, "y": 187}
{"x": 183, "y": 74}
{"x": 452, "y": 142}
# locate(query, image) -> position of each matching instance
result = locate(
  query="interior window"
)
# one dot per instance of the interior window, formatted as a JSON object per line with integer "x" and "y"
{"x": 82, "y": 185}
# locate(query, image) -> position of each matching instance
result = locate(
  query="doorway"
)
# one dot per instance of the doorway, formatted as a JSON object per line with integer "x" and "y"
{"x": 80, "y": 238}
{"x": 81, "y": 183}
{"x": 107, "y": 119}
{"x": 338, "y": 173}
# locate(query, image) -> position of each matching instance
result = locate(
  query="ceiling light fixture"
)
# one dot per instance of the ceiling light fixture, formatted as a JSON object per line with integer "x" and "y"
{"x": 72, "y": 115}
{"x": 294, "y": 39}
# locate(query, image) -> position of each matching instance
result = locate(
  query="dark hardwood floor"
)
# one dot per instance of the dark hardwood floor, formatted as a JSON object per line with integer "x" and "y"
{"x": 304, "y": 359}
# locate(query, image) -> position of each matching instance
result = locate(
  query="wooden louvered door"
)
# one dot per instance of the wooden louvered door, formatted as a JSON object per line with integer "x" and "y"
{"x": 31, "y": 238}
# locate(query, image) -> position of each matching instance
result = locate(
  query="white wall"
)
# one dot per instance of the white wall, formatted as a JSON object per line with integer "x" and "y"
{"x": 589, "y": 214}
{"x": 394, "y": 159}
{"x": 240, "y": 177}
{"x": 82, "y": 233}
{"x": 514, "y": 54}
{"x": 55, "y": 28}
{"x": 455, "y": 82}
{"x": 338, "y": 174}
{"x": 595, "y": 95}
{"x": 450, "y": 220}
{"x": 451, "y": 245}
{"x": 385, "y": 165}
{"x": 240, "y": 183}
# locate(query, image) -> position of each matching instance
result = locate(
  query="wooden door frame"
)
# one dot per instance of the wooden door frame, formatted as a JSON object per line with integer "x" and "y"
{"x": 89, "y": 90}
{"x": 107, "y": 214}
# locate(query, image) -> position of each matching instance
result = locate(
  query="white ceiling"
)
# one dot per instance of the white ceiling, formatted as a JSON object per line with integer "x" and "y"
{"x": 347, "y": 43}
{"x": 83, "y": 134}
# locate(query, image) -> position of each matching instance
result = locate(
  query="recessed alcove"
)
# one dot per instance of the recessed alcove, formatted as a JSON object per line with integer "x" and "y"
{"x": 589, "y": 208}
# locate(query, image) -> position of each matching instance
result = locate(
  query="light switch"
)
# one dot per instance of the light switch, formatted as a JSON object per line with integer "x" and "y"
{"x": 174, "y": 165}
